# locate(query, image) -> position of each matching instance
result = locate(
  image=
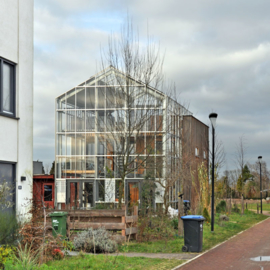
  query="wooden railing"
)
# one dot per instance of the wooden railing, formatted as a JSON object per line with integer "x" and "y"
{"x": 110, "y": 219}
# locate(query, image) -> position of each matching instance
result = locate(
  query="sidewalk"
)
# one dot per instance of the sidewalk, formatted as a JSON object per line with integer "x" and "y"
{"x": 237, "y": 252}
{"x": 176, "y": 256}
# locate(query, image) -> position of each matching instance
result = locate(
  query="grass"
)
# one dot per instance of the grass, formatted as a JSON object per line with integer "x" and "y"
{"x": 104, "y": 262}
{"x": 265, "y": 206}
{"x": 222, "y": 231}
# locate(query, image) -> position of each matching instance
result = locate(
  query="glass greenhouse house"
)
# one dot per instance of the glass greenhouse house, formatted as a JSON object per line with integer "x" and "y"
{"x": 113, "y": 133}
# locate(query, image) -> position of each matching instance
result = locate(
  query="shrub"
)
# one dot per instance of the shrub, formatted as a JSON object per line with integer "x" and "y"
{"x": 97, "y": 241}
{"x": 156, "y": 227}
{"x": 206, "y": 215}
{"x": 57, "y": 254}
{"x": 6, "y": 253}
{"x": 175, "y": 223}
{"x": 235, "y": 208}
{"x": 26, "y": 259}
{"x": 221, "y": 207}
{"x": 8, "y": 227}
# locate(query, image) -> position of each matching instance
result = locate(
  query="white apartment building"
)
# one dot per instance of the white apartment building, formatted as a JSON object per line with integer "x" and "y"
{"x": 16, "y": 99}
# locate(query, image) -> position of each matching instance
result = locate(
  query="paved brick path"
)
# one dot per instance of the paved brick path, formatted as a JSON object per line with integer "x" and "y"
{"x": 236, "y": 253}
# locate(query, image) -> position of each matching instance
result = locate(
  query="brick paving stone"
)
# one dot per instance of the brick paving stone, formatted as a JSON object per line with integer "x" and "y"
{"x": 236, "y": 252}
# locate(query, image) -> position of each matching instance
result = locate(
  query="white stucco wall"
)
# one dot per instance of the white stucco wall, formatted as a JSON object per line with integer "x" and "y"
{"x": 16, "y": 135}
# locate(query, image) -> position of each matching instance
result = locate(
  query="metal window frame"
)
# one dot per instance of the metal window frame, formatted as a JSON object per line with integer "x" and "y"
{"x": 13, "y": 90}
{"x": 14, "y": 181}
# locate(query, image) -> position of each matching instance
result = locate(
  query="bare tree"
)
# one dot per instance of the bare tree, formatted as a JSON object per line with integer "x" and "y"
{"x": 240, "y": 153}
{"x": 134, "y": 126}
{"x": 220, "y": 154}
{"x": 240, "y": 158}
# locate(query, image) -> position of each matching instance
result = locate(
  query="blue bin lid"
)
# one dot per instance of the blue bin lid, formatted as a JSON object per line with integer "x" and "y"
{"x": 193, "y": 217}
{"x": 185, "y": 200}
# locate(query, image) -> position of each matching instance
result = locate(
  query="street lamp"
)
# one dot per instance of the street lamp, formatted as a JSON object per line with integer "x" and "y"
{"x": 259, "y": 158}
{"x": 213, "y": 118}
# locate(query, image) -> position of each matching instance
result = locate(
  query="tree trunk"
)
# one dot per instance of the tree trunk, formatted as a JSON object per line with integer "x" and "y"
{"x": 180, "y": 213}
{"x": 230, "y": 204}
{"x": 242, "y": 204}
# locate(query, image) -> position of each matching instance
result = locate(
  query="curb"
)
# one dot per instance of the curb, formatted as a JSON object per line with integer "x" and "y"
{"x": 180, "y": 265}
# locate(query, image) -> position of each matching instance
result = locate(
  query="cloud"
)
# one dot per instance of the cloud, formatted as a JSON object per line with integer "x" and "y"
{"x": 217, "y": 53}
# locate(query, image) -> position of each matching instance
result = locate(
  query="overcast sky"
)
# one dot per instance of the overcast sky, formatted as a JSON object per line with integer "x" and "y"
{"x": 216, "y": 52}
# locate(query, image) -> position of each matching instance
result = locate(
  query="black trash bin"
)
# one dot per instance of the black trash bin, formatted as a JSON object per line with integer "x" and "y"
{"x": 193, "y": 233}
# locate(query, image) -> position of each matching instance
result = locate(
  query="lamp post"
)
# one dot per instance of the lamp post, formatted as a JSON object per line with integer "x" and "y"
{"x": 259, "y": 158}
{"x": 213, "y": 118}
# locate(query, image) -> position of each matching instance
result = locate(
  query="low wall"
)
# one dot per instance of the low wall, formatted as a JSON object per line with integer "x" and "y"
{"x": 110, "y": 219}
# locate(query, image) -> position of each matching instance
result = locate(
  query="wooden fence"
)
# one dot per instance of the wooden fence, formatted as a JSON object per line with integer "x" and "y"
{"x": 110, "y": 219}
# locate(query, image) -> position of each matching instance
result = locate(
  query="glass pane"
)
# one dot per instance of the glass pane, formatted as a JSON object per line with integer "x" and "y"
{"x": 71, "y": 167}
{"x": 101, "y": 146}
{"x": 110, "y": 120}
{"x": 80, "y": 144}
{"x": 131, "y": 169}
{"x": 159, "y": 120}
{"x": 90, "y": 120}
{"x": 101, "y": 97}
{"x": 140, "y": 97}
{"x": 70, "y": 139}
{"x": 150, "y": 144}
{"x": 80, "y": 167}
{"x": 70, "y": 121}
{"x": 80, "y": 121}
{"x": 47, "y": 193}
{"x": 120, "y": 97}
{"x": 61, "y": 121}
{"x": 120, "y": 120}
{"x": 7, "y": 175}
{"x": 140, "y": 149}
{"x": 90, "y": 82}
{"x": 110, "y": 97}
{"x": 90, "y": 98}
{"x": 150, "y": 99}
{"x": 109, "y": 167}
{"x": 101, "y": 121}
{"x": 70, "y": 97}
{"x": 110, "y": 145}
{"x": 88, "y": 194}
{"x": 80, "y": 97}
{"x": 90, "y": 167}
{"x": 61, "y": 149}
{"x": 60, "y": 167}
{"x": 150, "y": 121}
{"x": 90, "y": 144}
{"x": 159, "y": 145}
{"x": 101, "y": 191}
{"x": 7, "y": 88}
{"x": 101, "y": 80}
{"x": 139, "y": 167}
{"x": 150, "y": 166}
{"x": 101, "y": 167}
{"x": 61, "y": 102}
{"x": 159, "y": 167}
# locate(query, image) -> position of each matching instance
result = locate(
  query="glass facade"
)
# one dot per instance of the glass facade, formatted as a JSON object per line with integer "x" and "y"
{"x": 110, "y": 128}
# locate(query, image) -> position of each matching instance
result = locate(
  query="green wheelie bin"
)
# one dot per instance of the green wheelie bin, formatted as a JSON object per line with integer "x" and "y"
{"x": 59, "y": 223}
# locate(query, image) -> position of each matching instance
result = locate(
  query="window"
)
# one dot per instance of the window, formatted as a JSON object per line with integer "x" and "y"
{"x": 196, "y": 152}
{"x": 7, "y": 176}
{"x": 7, "y": 88}
{"x": 204, "y": 154}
